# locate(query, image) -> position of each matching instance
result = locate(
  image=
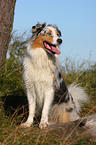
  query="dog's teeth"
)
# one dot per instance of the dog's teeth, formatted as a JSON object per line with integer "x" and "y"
{"x": 47, "y": 46}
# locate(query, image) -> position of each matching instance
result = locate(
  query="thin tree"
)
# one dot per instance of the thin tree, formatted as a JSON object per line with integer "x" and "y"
{"x": 6, "y": 23}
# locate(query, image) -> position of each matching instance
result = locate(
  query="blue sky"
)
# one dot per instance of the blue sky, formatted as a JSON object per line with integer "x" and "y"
{"x": 75, "y": 18}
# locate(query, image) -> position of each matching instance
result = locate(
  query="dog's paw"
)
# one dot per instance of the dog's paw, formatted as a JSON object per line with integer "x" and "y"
{"x": 26, "y": 124}
{"x": 43, "y": 125}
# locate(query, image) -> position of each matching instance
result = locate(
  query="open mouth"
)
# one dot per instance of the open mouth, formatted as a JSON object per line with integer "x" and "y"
{"x": 51, "y": 48}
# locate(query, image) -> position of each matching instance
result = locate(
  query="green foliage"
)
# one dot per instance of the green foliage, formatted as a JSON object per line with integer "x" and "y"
{"x": 11, "y": 79}
{"x": 11, "y": 82}
{"x": 17, "y": 46}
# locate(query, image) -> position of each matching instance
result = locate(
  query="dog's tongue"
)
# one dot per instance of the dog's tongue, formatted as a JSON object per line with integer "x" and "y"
{"x": 52, "y": 48}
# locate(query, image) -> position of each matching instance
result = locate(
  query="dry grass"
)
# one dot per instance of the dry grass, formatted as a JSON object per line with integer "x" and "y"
{"x": 11, "y": 133}
{"x": 11, "y": 86}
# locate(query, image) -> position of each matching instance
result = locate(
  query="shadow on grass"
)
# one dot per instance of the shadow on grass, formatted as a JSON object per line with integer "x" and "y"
{"x": 16, "y": 100}
{"x": 15, "y": 103}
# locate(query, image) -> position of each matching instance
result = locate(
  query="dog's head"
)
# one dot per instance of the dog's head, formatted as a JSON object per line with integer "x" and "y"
{"x": 46, "y": 37}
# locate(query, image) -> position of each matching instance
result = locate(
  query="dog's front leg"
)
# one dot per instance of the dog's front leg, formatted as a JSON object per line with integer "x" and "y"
{"x": 32, "y": 104}
{"x": 45, "y": 112}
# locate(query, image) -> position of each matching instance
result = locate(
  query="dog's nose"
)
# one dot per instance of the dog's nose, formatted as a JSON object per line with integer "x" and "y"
{"x": 59, "y": 41}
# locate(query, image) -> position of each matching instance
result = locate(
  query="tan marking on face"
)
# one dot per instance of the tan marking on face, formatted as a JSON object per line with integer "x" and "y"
{"x": 50, "y": 31}
{"x": 38, "y": 42}
{"x": 57, "y": 32}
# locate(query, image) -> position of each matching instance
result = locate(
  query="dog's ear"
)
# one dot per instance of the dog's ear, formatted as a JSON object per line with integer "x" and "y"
{"x": 55, "y": 26}
{"x": 38, "y": 28}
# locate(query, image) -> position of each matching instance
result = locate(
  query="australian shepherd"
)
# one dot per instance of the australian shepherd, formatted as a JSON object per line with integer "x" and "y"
{"x": 44, "y": 83}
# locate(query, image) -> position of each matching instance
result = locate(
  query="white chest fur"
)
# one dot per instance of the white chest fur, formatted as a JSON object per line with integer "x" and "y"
{"x": 39, "y": 70}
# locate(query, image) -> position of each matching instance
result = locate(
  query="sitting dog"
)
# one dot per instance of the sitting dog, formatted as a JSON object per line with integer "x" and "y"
{"x": 43, "y": 80}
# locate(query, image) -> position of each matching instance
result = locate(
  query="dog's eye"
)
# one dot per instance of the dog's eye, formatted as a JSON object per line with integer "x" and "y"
{"x": 49, "y": 34}
{"x": 58, "y": 34}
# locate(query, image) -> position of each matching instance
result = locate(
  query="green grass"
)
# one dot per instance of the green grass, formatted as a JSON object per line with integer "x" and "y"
{"x": 13, "y": 134}
{"x": 11, "y": 85}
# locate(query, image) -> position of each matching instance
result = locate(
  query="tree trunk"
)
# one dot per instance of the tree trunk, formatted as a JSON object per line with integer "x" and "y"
{"x": 6, "y": 24}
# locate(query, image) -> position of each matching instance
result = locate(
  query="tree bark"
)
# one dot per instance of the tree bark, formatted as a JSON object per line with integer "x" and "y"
{"x": 6, "y": 23}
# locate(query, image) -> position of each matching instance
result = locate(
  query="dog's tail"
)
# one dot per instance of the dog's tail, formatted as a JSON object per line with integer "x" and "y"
{"x": 79, "y": 96}
{"x": 69, "y": 111}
